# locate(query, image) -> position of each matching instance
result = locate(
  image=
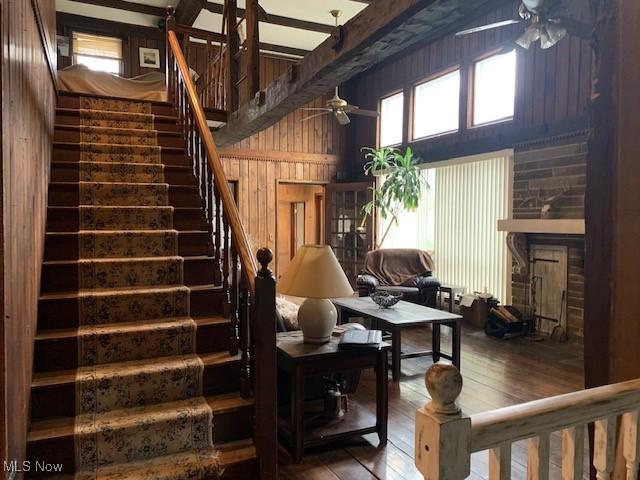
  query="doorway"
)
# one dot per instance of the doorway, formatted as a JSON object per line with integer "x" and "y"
{"x": 300, "y": 220}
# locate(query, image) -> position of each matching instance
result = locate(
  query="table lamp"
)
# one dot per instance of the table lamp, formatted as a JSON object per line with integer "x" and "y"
{"x": 314, "y": 273}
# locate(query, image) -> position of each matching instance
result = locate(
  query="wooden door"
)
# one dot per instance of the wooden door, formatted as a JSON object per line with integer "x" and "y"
{"x": 300, "y": 220}
{"x": 348, "y": 235}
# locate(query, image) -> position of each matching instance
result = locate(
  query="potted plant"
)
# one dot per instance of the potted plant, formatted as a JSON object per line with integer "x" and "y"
{"x": 399, "y": 190}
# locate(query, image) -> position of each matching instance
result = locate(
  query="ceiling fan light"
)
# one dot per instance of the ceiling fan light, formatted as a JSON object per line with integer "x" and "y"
{"x": 551, "y": 35}
{"x": 530, "y": 35}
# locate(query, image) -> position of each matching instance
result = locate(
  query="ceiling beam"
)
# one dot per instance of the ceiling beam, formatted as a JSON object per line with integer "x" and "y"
{"x": 188, "y": 11}
{"x": 128, "y": 6}
{"x": 382, "y": 30}
{"x": 277, "y": 19}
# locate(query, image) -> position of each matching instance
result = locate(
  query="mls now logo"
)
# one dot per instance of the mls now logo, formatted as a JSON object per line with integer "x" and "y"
{"x": 27, "y": 466}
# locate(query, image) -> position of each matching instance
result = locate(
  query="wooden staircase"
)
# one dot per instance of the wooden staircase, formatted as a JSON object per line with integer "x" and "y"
{"x": 172, "y": 284}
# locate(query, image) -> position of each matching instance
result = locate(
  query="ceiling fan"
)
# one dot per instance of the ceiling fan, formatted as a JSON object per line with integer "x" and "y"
{"x": 548, "y": 21}
{"x": 336, "y": 105}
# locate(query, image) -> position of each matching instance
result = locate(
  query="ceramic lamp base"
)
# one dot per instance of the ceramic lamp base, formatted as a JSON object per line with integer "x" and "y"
{"x": 317, "y": 317}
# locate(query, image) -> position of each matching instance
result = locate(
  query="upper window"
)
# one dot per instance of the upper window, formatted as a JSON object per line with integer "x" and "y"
{"x": 103, "y": 54}
{"x": 494, "y": 88}
{"x": 391, "y": 120}
{"x": 436, "y": 106}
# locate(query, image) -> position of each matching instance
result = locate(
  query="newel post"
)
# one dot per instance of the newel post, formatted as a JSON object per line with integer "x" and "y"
{"x": 170, "y": 25}
{"x": 266, "y": 401}
{"x": 443, "y": 432}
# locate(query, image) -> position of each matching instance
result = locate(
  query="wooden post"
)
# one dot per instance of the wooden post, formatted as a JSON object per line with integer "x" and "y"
{"x": 233, "y": 45}
{"x": 253, "y": 49}
{"x": 443, "y": 432}
{"x": 170, "y": 26}
{"x": 266, "y": 402}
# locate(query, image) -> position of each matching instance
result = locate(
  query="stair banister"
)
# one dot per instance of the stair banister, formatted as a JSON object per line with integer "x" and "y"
{"x": 446, "y": 437}
{"x": 232, "y": 215}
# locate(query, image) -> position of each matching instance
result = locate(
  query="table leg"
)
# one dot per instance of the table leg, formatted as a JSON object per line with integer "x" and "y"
{"x": 456, "y": 343}
{"x": 382, "y": 397}
{"x": 297, "y": 414}
{"x": 435, "y": 341}
{"x": 452, "y": 300}
{"x": 396, "y": 354}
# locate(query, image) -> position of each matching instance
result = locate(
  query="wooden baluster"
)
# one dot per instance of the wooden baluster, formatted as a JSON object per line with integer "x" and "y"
{"x": 225, "y": 251}
{"x": 631, "y": 443}
{"x": 500, "y": 462}
{"x": 244, "y": 327}
{"x": 603, "y": 447}
{"x": 443, "y": 432}
{"x": 538, "y": 457}
{"x": 218, "y": 236}
{"x": 572, "y": 452}
{"x": 233, "y": 317}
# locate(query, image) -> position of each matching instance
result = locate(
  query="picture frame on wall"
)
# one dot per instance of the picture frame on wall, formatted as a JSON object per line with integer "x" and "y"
{"x": 149, "y": 57}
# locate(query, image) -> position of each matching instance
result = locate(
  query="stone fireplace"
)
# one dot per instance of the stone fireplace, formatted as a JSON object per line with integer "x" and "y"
{"x": 546, "y": 232}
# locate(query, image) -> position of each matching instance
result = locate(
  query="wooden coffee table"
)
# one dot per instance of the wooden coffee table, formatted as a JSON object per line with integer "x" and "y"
{"x": 404, "y": 314}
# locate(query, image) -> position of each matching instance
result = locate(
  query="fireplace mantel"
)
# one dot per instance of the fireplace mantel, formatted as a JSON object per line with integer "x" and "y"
{"x": 539, "y": 225}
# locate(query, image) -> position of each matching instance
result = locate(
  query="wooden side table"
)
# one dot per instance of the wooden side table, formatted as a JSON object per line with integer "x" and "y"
{"x": 299, "y": 360}
{"x": 452, "y": 291}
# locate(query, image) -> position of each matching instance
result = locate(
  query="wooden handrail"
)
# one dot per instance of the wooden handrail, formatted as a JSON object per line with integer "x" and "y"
{"x": 232, "y": 215}
{"x": 446, "y": 438}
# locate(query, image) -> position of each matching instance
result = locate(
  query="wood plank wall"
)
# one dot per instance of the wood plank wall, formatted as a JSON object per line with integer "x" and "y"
{"x": 28, "y": 108}
{"x": 552, "y": 91}
{"x": 133, "y": 38}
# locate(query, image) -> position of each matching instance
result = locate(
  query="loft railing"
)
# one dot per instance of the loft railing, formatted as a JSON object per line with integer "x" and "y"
{"x": 250, "y": 294}
{"x": 446, "y": 438}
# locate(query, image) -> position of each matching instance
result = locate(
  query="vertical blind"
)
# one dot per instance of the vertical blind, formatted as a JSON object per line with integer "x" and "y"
{"x": 457, "y": 221}
{"x": 470, "y": 199}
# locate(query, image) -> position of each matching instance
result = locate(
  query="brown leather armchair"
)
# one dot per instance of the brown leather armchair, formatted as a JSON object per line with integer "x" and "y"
{"x": 400, "y": 270}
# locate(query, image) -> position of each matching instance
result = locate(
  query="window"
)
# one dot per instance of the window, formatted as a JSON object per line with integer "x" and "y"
{"x": 494, "y": 88}
{"x": 436, "y": 106}
{"x": 391, "y": 120}
{"x": 103, "y": 54}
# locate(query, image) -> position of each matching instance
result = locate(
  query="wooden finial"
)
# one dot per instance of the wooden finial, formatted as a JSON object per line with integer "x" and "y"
{"x": 265, "y": 257}
{"x": 444, "y": 384}
{"x": 171, "y": 11}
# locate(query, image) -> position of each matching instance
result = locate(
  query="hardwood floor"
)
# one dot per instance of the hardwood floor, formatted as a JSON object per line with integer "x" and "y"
{"x": 496, "y": 373}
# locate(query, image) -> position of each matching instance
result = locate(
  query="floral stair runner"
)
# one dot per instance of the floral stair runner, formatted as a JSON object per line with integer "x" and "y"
{"x": 140, "y": 409}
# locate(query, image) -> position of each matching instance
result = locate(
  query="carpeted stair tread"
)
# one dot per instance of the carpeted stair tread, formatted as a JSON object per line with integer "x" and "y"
{"x": 107, "y": 244}
{"x": 140, "y": 325}
{"x": 123, "y": 194}
{"x": 103, "y": 273}
{"x": 45, "y": 379}
{"x": 103, "y": 217}
{"x": 121, "y": 172}
{"x": 161, "y": 289}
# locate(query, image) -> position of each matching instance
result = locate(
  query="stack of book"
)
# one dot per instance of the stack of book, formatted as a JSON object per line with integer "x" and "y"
{"x": 361, "y": 339}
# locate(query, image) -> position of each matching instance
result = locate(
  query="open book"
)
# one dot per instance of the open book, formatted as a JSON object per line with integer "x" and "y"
{"x": 361, "y": 338}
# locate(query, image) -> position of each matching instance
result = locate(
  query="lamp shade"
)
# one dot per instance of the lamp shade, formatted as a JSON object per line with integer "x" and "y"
{"x": 315, "y": 272}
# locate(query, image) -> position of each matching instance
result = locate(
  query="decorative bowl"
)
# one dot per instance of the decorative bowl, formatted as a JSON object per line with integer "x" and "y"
{"x": 385, "y": 299}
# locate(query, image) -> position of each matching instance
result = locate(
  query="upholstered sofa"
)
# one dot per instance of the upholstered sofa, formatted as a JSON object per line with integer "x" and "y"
{"x": 400, "y": 270}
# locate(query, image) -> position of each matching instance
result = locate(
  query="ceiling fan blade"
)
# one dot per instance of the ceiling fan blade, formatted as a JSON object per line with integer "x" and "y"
{"x": 317, "y": 109}
{"x": 313, "y": 116}
{"x": 359, "y": 111}
{"x": 343, "y": 118}
{"x": 504, "y": 23}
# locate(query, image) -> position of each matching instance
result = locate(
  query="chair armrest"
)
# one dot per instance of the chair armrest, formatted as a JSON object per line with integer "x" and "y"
{"x": 428, "y": 283}
{"x": 366, "y": 284}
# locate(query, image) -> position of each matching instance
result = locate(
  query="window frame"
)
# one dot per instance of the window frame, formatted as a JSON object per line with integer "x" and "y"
{"x": 435, "y": 76}
{"x": 120, "y": 60}
{"x": 404, "y": 118}
{"x": 472, "y": 89}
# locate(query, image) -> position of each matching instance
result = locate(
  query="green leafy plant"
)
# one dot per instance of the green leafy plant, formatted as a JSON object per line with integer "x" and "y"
{"x": 401, "y": 187}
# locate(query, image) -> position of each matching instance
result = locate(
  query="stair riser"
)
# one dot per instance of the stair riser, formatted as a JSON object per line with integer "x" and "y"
{"x": 73, "y": 102}
{"x": 71, "y": 153}
{"x": 65, "y": 278}
{"x": 62, "y": 354}
{"x": 60, "y": 400}
{"x": 69, "y": 172}
{"x": 67, "y": 195}
{"x": 160, "y": 124}
{"x": 67, "y": 220}
{"x": 65, "y": 247}
{"x": 61, "y": 449}
{"x": 63, "y": 313}
{"x": 164, "y": 139}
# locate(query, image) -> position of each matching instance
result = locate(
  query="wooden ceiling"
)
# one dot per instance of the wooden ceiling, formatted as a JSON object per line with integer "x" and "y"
{"x": 287, "y": 27}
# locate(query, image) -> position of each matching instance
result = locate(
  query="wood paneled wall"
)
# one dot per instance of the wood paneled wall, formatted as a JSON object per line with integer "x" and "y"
{"x": 553, "y": 88}
{"x": 257, "y": 174}
{"x": 28, "y": 108}
{"x": 133, "y": 38}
